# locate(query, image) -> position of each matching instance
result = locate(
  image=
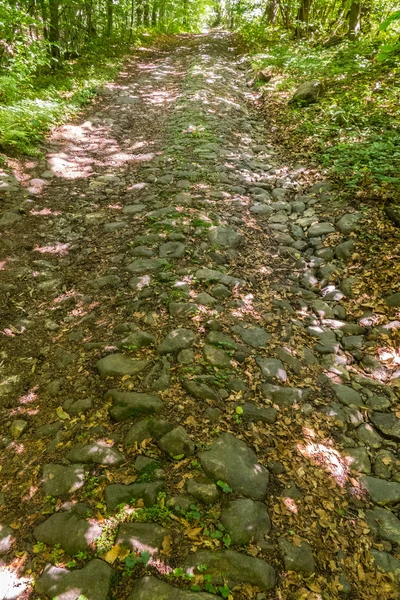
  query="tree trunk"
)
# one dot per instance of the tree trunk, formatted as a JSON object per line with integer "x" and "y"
{"x": 354, "y": 20}
{"x": 54, "y": 28}
{"x": 154, "y": 14}
{"x": 139, "y": 13}
{"x": 303, "y": 17}
{"x": 146, "y": 13}
{"x": 110, "y": 15}
{"x": 270, "y": 12}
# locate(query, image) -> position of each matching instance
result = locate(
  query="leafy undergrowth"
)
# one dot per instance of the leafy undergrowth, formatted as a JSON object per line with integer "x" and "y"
{"x": 353, "y": 131}
{"x": 29, "y": 107}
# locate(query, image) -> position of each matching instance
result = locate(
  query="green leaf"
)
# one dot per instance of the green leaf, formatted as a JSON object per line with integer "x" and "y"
{"x": 178, "y": 457}
{"x": 224, "y": 487}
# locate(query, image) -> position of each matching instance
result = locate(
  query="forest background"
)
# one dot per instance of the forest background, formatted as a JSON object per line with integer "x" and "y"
{"x": 55, "y": 54}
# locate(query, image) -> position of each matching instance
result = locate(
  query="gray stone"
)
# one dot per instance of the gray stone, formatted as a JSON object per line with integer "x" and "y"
{"x": 345, "y": 250}
{"x": 369, "y": 436}
{"x": 99, "y": 453}
{"x": 320, "y": 229}
{"x": 297, "y": 558}
{"x": 177, "y": 340}
{"x": 203, "y": 490}
{"x": 233, "y": 568}
{"x": 117, "y": 365}
{"x": 141, "y": 537}
{"x": 132, "y": 404}
{"x": 78, "y": 407}
{"x": 132, "y": 209}
{"x": 223, "y": 236}
{"x": 230, "y": 460}
{"x": 181, "y": 309}
{"x": 59, "y": 480}
{"x": 346, "y": 395}
{"x": 146, "y": 265}
{"x": 200, "y": 390}
{"x": 384, "y": 464}
{"x": 380, "y": 491}
{"x": 92, "y": 582}
{"x": 387, "y": 423}
{"x": 205, "y": 299}
{"x": 353, "y": 342}
{"x": 137, "y": 433}
{"x": 118, "y": 493}
{"x": 387, "y": 563}
{"x": 348, "y": 223}
{"x": 7, "y": 538}
{"x": 216, "y": 356}
{"x": 139, "y": 283}
{"x": 271, "y": 368}
{"x": 9, "y": 218}
{"x": 17, "y": 428}
{"x": 287, "y": 357}
{"x": 112, "y": 281}
{"x": 393, "y": 299}
{"x": 246, "y": 521}
{"x": 261, "y": 209}
{"x": 186, "y": 357}
{"x": 307, "y": 93}
{"x": 138, "y": 339}
{"x": 357, "y": 459}
{"x": 284, "y": 396}
{"x": 177, "y": 442}
{"x": 378, "y": 403}
{"x": 217, "y": 338}
{"x": 256, "y": 337}
{"x": 73, "y": 533}
{"x": 220, "y": 291}
{"x": 172, "y": 250}
{"x": 212, "y": 275}
{"x": 384, "y": 524}
{"x": 252, "y": 412}
{"x": 151, "y": 588}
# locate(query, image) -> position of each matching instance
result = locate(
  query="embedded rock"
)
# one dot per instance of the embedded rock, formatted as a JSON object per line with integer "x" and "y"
{"x": 73, "y": 533}
{"x": 92, "y": 582}
{"x": 230, "y": 460}
{"x": 233, "y": 568}
{"x": 246, "y": 521}
{"x": 132, "y": 404}
{"x": 117, "y": 365}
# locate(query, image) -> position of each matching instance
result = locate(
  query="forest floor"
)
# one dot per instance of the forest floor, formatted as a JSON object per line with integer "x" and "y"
{"x": 198, "y": 390}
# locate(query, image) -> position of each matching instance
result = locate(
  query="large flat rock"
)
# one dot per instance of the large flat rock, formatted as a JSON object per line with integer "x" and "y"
{"x": 141, "y": 537}
{"x": 99, "y": 453}
{"x": 151, "y": 588}
{"x": 233, "y": 568}
{"x": 233, "y": 462}
{"x": 60, "y": 480}
{"x": 118, "y": 493}
{"x": 118, "y": 365}
{"x": 73, "y": 533}
{"x": 132, "y": 404}
{"x": 92, "y": 582}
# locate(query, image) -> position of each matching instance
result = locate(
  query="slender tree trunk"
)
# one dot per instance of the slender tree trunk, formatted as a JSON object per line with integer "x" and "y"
{"x": 154, "y": 14}
{"x": 271, "y": 12}
{"x": 162, "y": 13}
{"x": 110, "y": 15}
{"x": 185, "y": 13}
{"x": 54, "y": 28}
{"x": 354, "y": 20}
{"x": 146, "y": 13}
{"x": 132, "y": 19}
{"x": 139, "y": 13}
{"x": 303, "y": 17}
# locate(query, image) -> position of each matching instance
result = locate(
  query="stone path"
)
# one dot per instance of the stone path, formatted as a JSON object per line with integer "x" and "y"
{"x": 188, "y": 407}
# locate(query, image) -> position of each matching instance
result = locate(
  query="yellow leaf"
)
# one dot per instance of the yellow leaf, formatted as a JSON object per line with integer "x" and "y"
{"x": 194, "y": 533}
{"x": 166, "y": 545}
{"x": 112, "y": 555}
{"x": 61, "y": 414}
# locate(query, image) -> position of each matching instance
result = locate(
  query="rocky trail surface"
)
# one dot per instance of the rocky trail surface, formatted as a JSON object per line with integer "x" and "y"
{"x": 189, "y": 406}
